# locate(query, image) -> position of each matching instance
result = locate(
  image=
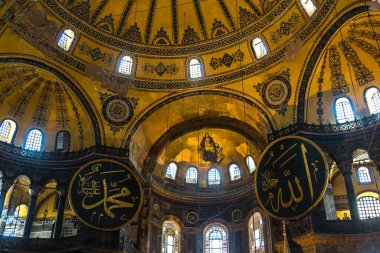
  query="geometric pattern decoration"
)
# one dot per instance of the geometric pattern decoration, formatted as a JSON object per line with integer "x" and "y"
{"x": 286, "y": 28}
{"x": 117, "y": 110}
{"x": 227, "y": 59}
{"x": 160, "y": 69}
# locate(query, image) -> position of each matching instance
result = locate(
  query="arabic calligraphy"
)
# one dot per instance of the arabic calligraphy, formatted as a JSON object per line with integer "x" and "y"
{"x": 105, "y": 195}
{"x": 291, "y": 177}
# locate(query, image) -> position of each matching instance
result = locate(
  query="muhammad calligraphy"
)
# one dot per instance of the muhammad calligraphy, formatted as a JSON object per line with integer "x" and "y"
{"x": 105, "y": 195}
{"x": 291, "y": 177}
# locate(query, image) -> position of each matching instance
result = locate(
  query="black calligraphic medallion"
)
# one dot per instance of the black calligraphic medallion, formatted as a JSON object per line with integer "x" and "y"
{"x": 105, "y": 195}
{"x": 291, "y": 177}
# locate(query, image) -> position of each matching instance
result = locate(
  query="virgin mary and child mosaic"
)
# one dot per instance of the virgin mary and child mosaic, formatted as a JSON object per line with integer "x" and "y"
{"x": 211, "y": 152}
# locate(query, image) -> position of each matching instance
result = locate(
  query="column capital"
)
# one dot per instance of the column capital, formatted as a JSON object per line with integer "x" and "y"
{"x": 34, "y": 190}
{"x": 63, "y": 192}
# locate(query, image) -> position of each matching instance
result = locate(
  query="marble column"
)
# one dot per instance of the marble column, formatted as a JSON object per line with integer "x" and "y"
{"x": 329, "y": 203}
{"x": 6, "y": 184}
{"x": 34, "y": 191}
{"x": 351, "y": 196}
{"x": 60, "y": 214}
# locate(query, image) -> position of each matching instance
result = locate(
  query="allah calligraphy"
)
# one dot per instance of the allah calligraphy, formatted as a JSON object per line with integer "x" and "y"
{"x": 291, "y": 177}
{"x": 105, "y": 195}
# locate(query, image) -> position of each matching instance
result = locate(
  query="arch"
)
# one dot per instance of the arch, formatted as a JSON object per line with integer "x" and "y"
{"x": 191, "y": 176}
{"x": 360, "y": 155}
{"x": 125, "y": 65}
{"x": 368, "y": 205}
{"x": 256, "y": 233}
{"x": 171, "y": 171}
{"x": 214, "y": 176}
{"x": 66, "y": 39}
{"x": 235, "y": 173}
{"x": 34, "y": 140}
{"x": 8, "y": 130}
{"x": 364, "y": 177}
{"x": 343, "y": 110}
{"x": 86, "y": 103}
{"x": 215, "y": 238}
{"x": 308, "y": 6}
{"x": 195, "y": 68}
{"x": 171, "y": 237}
{"x": 62, "y": 141}
{"x": 251, "y": 165}
{"x": 372, "y": 98}
{"x": 260, "y": 49}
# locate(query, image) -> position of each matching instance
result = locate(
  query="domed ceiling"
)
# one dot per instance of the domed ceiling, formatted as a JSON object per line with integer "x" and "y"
{"x": 164, "y": 22}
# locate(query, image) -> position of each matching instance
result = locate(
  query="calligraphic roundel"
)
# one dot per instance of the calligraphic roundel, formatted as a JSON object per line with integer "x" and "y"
{"x": 105, "y": 195}
{"x": 291, "y": 177}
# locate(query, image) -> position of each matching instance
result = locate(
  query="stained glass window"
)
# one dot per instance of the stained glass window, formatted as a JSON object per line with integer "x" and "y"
{"x": 256, "y": 234}
{"x": 125, "y": 65}
{"x": 213, "y": 176}
{"x": 369, "y": 207}
{"x": 234, "y": 172}
{"x": 372, "y": 96}
{"x": 195, "y": 68}
{"x": 259, "y": 48}
{"x": 66, "y": 39}
{"x": 7, "y": 130}
{"x": 309, "y": 7}
{"x": 170, "y": 237}
{"x": 363, "y": 175}
{"x": 250, "y": 164}
{"x": 34, "y": 140}
{"x": 191, "y": 176}
{"x": 344, "y": 110}
{"x": 216, "y": 239}
{"x": 63, "y": 141}
{"x": 171, "y": 171}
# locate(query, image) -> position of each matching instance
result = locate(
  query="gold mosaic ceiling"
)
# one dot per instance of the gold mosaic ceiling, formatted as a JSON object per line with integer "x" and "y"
{"x": 164, "y": 22}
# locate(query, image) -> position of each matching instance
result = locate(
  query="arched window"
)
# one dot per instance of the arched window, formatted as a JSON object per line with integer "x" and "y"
{"x": 259, "y": 48}
{"x": 125, "y": 65}
{"x": 170, "y": 237}
{"x": 234, "y": 172}
{"x": 344, "y": 111}
{"x": 62, "y": 142}
{"x": 191, "y": 176}
{"x": 363, "y": 175}
{"x": 213, "y": 176}
{"x": 256, "y": 234}
{"x": 7, "y": 130}
{"x": 372, "y": 96}
{"x": 216, "y": 238}
{"x": 195, "y": 68}
{"x": 171, "y": 171}
{"x": 369, "y": 206}
{"x": 66, "y": 39}
{"x": 251, "y": 165}
{"x": 309, "y": 7}
{"x": 34, "y": 140}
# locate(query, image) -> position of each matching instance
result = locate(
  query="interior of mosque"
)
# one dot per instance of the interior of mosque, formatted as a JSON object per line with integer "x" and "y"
{"x": 188, "y": 95}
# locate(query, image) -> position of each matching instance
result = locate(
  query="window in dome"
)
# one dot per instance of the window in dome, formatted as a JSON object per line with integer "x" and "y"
{"x": 195, "y": 69}
{"x": 251, "y": 165}
{"x": 369, "y": 207}
{"x": 372, "y": 96}
{"x": 125, "y": 65}
{"x": 66, "y": 39}
{"x": 216, "y": 238}
{"x": 309, "y": 7}
{"x": 170, "y": 237}
{"x": 256, "y": 234}
{"x": 234, "y": 172}
{"x": 259, "y": 48}
{"x": 171, "y": 171}
{"x": 34, "y": 140}
{"x": 7, "y": 130}
{"x": 344, "y": 111}
{"x": 213, "y": 176}
{"x": 63, "y": 141}
{"x": 363, "y": 175}
{"x": 191, "y": 176}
